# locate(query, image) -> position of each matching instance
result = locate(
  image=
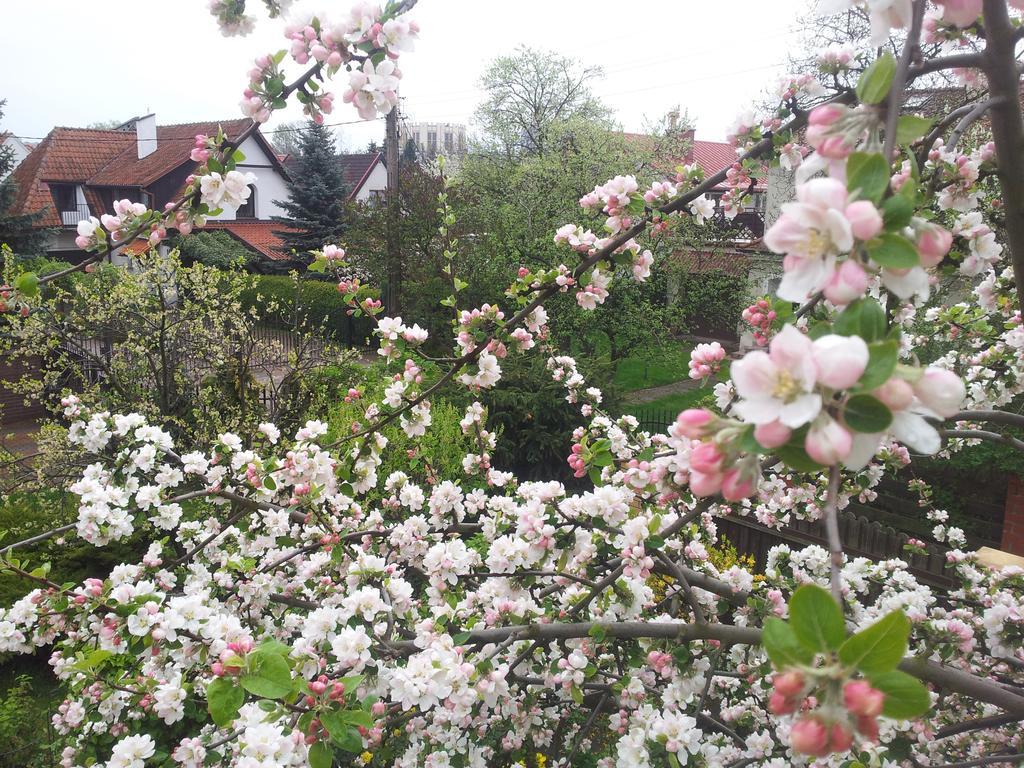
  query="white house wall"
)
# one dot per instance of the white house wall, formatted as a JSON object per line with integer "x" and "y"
{"x": 270, "y": 184}
{"x": 20, "y": 152}
{"x": 376, "y": 182}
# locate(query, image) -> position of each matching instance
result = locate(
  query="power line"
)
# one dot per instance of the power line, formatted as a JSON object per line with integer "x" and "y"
{"x": 128, "y": 134}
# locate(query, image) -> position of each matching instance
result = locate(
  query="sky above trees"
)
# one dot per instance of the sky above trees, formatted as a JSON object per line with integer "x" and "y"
{"x": 709, "y": 58}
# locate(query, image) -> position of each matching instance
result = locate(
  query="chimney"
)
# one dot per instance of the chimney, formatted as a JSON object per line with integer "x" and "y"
{"x": 145, "y": 135}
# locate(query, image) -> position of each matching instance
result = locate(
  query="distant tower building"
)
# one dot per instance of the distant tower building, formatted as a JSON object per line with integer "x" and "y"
{"x": 433, "y": 139}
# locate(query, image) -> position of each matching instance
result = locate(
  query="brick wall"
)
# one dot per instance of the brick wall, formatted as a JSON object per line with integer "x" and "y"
{"x": 1013, "y": 520}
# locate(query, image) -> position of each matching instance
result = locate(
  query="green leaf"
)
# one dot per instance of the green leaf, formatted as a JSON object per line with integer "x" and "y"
{"x": 224, "y": 699}
{"x": 274, "y": 646}
{"x": 875, "y": 82}
{"x": 321, "y": 755}
{"x": 577, "y": 694}
{"x": 909, "y": 128}
{"x": 816, "y": 619}
{"x": 27, "y": 284}
{"x": 905, "y": 696}
{"x": 794, "y": 455}
{"x": 882, "y": 359}
{"x": 864, "y": 317}
{"x": 897, "y": 212}
{"x": 268, "y": 677}
{"x": 782, "y": 646}
{"x": 892, "y": 250}
{"x": 866, "y": 413}
{"x": 598, "y": 632}
{"x": 358, "y": 717}
{"x": 878, "y": 648}
{"x": 462, "y": 638}
{"x": 867, "y": 176}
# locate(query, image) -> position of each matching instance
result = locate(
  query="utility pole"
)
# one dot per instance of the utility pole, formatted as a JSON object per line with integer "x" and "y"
{"x": 394, "y": 245}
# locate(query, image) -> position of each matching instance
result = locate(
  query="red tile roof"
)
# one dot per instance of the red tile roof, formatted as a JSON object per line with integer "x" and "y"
{"x": 712, "y": 156}
{"x": 173, "y": 145}
{"x": 260, "y": 236}
{"x": 108, "y": 158}
{"x": 355, "y": 168}
{"x": 68, "y": 155}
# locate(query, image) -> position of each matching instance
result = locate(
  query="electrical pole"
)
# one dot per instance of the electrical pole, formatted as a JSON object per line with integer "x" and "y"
{"x": 394, "y": 245}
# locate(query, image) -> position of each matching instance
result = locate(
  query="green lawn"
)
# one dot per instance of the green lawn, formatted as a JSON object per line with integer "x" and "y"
{"x": 678, "y": 402}
{"x": 654, "y": 367}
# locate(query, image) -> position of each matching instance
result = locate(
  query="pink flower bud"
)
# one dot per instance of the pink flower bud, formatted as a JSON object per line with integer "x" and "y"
{"x": 897, "y": 394}
{"x": 868, "y": 728}
{"x": 780, "y": 705}
{"x": 865, "y": 220}
{"x": 706, "y": 458}
{"x": 841, "y": 738}
{"x": 960, "y": 13}
{"x": 940, "y": 390}
{"x": 826, "y": 114}
{"x": 773, "y": 434}
{"x": 736, "y": 486}
{"x": 847, "y": 283}
{"x": 861, "y": 699}
{"x": 827, "y": 441}
{"x": 841, "y": 360}
{"x": 809, "y": 736}
{"x": 705, "y": 485}
{"x": 789, "y": 684}
{"x": 693, "y": 422}
{"x": 933, "y": 243}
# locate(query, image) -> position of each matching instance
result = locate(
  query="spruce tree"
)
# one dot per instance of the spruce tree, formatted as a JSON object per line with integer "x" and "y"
{"x": 316, "y": 194}
{"x": 18, "y": 230}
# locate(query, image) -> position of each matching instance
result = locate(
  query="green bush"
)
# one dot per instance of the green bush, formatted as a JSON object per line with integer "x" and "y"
{"x": 314, "y": 303}
{"x": 26, "y": 738}
{"x": 213, "y": 249}
{"x": 710, "y": 303}
{"x": 438, "y": 454}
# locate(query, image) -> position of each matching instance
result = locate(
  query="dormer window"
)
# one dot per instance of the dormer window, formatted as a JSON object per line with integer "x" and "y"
{"x": 248, "y": 209}
{"x": 69, "y": 207}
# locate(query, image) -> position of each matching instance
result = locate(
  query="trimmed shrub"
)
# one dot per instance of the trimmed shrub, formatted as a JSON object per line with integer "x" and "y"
{"x": 289, "y": 301}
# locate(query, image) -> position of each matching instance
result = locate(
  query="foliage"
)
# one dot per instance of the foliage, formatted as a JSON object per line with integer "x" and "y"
{"x": 213, "y": 249}
{"x": 529, "y": 92}
{"x": 480, "y": 619}
{"x": 18, "y": 231}
{"x": 653, "y": 367}
{"x": 299, "y": 302}
{"x": 315, "y": 208}
{"x": 709, "y": 303}
{"x": 25, "y": 733}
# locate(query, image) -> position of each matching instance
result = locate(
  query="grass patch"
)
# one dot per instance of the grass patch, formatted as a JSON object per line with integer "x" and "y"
{"x": 692, "y": 398}
{"x": 653, "y": 367}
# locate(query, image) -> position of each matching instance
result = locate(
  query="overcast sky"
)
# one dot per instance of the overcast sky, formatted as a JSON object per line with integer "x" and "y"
{"x": 75, "y": 62}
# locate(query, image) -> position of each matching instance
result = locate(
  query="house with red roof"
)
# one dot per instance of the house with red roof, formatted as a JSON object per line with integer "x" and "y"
{"x": 75, "y": 173}
{"x": 364, "y": 173}
{"x": 19, "y": 150}
{"x": 712, "y": 156}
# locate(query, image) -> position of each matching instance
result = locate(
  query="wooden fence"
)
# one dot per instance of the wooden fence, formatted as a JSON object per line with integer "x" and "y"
{"x": 861, "y": 538}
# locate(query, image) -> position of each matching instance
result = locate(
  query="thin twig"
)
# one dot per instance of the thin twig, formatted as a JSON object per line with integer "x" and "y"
{"x": 899, "y": 81}
{"x": 835, "y": 544}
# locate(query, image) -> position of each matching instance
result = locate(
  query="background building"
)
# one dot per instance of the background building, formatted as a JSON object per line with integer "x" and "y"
{"x": 433, "y": 139}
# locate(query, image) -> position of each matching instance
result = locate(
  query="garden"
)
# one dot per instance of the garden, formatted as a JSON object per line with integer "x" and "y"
{"x": 451, "y": 487}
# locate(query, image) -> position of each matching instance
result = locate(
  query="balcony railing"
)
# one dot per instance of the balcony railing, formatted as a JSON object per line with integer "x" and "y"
{"x": 71, "y": 216}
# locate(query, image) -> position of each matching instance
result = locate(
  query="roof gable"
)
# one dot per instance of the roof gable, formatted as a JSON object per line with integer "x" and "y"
{"x": 173, "y": 145}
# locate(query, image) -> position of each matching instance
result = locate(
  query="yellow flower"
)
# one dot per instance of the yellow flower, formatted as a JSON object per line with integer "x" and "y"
{"x": 541, "y": 760}
{"x": 366, "y": 757}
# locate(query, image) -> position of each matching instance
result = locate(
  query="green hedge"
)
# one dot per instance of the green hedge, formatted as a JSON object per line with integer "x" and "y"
{"x": 288, "y": 302}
